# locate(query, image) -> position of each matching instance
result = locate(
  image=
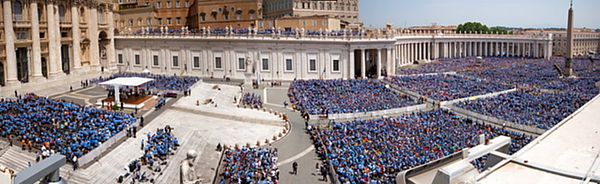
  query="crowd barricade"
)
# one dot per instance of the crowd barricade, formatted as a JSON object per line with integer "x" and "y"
{"x": 496, "y": 121}
{"x": 370, "y": 114}
{"x": 332, "y": 174}
{"x": 477, "y": 97}
{"x": 402, "y": 176}
{"x": 98, "y": 151}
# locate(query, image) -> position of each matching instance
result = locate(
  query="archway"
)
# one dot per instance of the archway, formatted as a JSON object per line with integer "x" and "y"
{"x": 66, "y": 61}
{"x": 103, "y": 42}
{"x": 44, "y": 67}
{"x": 2, "y": 78}
{"x": 22, "y": 65}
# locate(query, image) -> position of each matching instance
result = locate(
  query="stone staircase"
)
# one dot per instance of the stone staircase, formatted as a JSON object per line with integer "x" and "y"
{"x": 193, "y": 141}
{"x": 17, "y": 160}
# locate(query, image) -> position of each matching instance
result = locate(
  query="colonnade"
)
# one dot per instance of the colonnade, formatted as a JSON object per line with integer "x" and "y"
{"x": 414, "y": 51}
{"x": 53, "y": 45}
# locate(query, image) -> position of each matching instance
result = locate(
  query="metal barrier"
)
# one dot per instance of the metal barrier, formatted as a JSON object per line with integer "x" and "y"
{"x": 496, "y": 121}
{"x": 98, "y": 151}
{"x": 370, "y": 114}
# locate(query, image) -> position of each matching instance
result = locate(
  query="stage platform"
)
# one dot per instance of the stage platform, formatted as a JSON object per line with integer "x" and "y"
{"x": 130, "y": 103}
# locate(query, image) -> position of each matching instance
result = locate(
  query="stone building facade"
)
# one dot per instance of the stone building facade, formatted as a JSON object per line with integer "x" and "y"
{"x": 44, "y": 41}
{"x": 133, "y": 15}
{"x": 345, "y": 10}
{"x": 238, "y": 14}
{"x": 285, "y": 58}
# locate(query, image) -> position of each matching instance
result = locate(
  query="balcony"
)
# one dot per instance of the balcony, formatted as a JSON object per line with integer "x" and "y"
{"x": 22, "y": 24}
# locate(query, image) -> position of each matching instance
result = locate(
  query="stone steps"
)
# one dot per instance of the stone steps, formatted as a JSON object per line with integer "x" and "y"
{"x": 191, "y": 141}
{"x": 17, "y": 160}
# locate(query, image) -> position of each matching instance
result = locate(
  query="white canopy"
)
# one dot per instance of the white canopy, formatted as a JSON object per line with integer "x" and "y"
{"x": 127, "y": 81}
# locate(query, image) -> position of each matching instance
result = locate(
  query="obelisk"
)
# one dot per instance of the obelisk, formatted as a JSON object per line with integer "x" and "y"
{"x": 569, "y": 61}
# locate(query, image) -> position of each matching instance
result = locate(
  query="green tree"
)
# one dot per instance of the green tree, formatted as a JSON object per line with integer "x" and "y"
{"x": 477, "y": 27}
{"x": 472, "y": 27}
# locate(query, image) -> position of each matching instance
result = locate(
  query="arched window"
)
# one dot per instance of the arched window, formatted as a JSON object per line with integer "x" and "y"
{"x": 61, "y": 13}
{"x": 17, "y": 10}
{"x": 252, "y": 13}
{"x": 82, "y": 14}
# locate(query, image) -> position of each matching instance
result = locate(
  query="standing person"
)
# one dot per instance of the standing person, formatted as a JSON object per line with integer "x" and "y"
{"x": 295, "y": 168}
{"x": 134, "y": 131}
{"x": 142, "y": 121}
{"x": 16, "y": 94}
{"x": 75, "y": 164}
{"x": 324, "y": 172}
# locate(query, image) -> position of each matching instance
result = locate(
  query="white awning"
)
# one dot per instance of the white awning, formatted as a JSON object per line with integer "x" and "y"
{"x": 127, "y": 81}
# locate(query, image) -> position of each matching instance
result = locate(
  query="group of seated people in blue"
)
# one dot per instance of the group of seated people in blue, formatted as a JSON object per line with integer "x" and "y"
{"x": 159, "y": 145}
{"x": 160, "y": 82}
{"x": 249, "y": 165}
{"x": 528, "y": 107}
{"x": 444, "y": 87}
{"x": 344, "y": 96}
{"x": 252, "y": 100}
{"x": 66, "y": 128}
{"x": 374, "y": 151}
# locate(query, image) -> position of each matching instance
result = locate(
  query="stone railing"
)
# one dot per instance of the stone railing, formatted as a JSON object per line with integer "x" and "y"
{"x": 330, "y": 36}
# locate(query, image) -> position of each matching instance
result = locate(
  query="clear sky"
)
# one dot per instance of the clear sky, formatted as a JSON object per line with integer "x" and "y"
{"x": 512, "y": 13}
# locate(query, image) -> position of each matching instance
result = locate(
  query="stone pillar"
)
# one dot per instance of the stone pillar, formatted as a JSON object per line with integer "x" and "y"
{"x": 110, "y": 48}
{"x": 76, "y": 33}
{"x": 389, "y": 60}
{"x": 378, "y": 63}
{"x": 394, "y": 60}
{"x": 36, "y": 46}
{"x": 363, "y": 71}
{"x": 352, "y": 64}
{"x": 52, "y": 44}
{"x": 11, "y": 55}
{"x": 93, "y": 35}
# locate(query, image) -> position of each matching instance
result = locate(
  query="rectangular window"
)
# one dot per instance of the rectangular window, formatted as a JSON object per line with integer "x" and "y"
{"x": 155, "y": 60}
{"x": 241, "y": 63}
{"x": 196, "y": 62}
{"x": 289, "y": 65}
{"x": 312, "y": 65}
{"x": 169, "y": 21}
{"x": 120, "y": 58}
{"x": 168, "y": 4}
{"x": 175, "y": 61}
{"x": 336, "y": 65}
{"x": 265, "y": 64}
{"x": 177, "y": 5}
{"x": 158, "y": 5}
{"x": 218, "y": 63}
{"x": 178, "y": 21}
{"x": 137, "y": 59}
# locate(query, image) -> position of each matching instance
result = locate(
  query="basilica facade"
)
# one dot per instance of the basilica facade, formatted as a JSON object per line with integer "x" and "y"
{"x": 49, "y": 40}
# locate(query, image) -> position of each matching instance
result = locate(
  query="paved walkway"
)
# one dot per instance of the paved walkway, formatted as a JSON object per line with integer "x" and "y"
{"x": 296, "y": 146}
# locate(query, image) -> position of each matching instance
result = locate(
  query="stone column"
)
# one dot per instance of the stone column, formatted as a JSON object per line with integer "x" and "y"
{"x": 76, "y": 33}
{"x": 378, "y": 63}
{"x": 52, "y": 46}
{"x": 395, "y": 58}
{"x": 57, "y": 42}
{"x": 351, "y": 67}
{"x": 11, "y": 55}
{"x": 363, "y": 71}
{"x": 36, "y": 46}
{"x": 93, "y": 35}
{"x": 110, "y": 50}
{"x": 389, "y": 60}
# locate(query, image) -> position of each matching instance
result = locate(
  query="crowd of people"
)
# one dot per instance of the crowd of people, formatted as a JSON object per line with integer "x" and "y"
{"x": 445, "y": 87}
{"x": 252, "y": 100}
{"x": 157, "y": 148}
{"x": 529, "y": 107}
{"x": 160, "y": 82}
{"x": 344, "y": 96}
{"x": 58, "y": 126}
{"x": 367, "y": 151}
{"x": 250, "y": 165}
{"x": 159, "y": 145}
